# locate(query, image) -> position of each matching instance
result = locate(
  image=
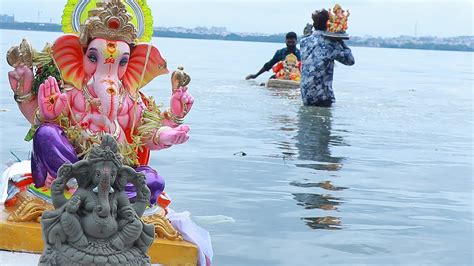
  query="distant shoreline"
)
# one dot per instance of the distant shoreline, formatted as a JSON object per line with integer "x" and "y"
{"x": 400, "y": 42}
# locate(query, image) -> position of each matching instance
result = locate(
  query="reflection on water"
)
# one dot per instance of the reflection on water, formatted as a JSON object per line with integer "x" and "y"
{"x": 287, "y": 149}
{"x": 317, "y": 201}
{"x": 325, "y": 184}
{"x": 285, "y": 93}
{"x": 326, "y": 222}
{"x": 314, "y": 139}
{"x": 323, "y": 202}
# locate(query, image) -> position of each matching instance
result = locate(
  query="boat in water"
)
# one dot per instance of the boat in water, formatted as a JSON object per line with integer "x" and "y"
{"x": 283, "y": 84}
{"x": 287, "y": 74}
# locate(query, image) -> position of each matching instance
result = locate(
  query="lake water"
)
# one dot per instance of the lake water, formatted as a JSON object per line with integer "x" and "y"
{"x": 383, "y": 177}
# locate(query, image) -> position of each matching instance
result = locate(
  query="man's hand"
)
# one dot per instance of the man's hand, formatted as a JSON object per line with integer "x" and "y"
{"x": 251, "y": 76}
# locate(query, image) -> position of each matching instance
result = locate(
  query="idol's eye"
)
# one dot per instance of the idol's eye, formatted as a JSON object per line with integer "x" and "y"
{"x": 124, "y": 61}
{"x": 92, "y": 57}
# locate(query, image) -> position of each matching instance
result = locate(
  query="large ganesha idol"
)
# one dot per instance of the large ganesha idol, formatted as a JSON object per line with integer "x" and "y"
{"x": 87, "y": 85}
{"x": 90, "y": 86}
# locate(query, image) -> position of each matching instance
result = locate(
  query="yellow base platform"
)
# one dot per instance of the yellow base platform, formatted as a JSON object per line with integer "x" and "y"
{"x": 26, "y": 237}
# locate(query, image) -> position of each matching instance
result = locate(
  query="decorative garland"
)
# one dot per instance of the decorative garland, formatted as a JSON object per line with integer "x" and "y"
{"x": 42, "y": 74}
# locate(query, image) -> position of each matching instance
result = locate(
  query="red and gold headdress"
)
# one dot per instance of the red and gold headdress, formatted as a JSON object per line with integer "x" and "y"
{"x": 114, "y": 20}
{"x": 122, "y": 20}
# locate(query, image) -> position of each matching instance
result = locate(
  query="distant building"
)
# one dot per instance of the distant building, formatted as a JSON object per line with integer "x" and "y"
{"x": 218, "y": 30}
{"x": 6, "y": 18}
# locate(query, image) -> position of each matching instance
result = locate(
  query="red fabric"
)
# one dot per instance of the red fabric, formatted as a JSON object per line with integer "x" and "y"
{"x": 144, "y": 154}
{"x": 24, "y": 183}
{"x": 10, "y": 202}
{"x": 163, "y": 200}
{"x": 277, "y": 67}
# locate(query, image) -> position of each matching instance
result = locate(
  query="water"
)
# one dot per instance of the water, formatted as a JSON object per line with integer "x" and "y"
{"x": 383, "y": 177}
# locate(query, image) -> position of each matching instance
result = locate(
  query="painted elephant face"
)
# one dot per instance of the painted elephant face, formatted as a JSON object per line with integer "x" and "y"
{"x": 104, "y": 64}
{"x": 105, "y": 58}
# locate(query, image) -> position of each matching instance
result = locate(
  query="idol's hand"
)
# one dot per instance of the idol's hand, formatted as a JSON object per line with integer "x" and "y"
{"x": 173, "y": 136}
{"x": 181, "y": 102}
{"x": 51, "y": 101}
{"x": 21, "y": 80}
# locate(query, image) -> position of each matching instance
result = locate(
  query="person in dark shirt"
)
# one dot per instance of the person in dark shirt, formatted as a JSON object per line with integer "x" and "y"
{"x": 291, "y": 41}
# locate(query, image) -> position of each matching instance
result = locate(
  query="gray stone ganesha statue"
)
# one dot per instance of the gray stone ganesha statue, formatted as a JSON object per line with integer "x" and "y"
{"x": 98, "y": 224}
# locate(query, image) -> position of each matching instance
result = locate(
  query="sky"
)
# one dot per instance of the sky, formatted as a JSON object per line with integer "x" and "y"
{"x": 368, "y": 17}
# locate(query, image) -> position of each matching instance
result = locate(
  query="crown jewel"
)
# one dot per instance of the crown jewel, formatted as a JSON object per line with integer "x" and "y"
{"x": 110, "y": 21}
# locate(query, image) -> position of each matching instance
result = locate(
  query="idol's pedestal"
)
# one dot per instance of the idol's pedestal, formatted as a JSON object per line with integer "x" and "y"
{"x": 20, "y": 230}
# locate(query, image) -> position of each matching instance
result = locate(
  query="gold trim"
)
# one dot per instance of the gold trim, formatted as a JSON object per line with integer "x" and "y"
{"x": 179, "y": 78}
{"x": 24, "y": 98}
{"x": 21, "y": 54}
{"x": 110, "y": 21}
{"x": 29, "y": 209}
{"x": 163, "y": 227}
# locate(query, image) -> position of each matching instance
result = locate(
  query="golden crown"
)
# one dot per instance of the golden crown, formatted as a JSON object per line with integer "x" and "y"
{"x": 291, "y": 58}
{"x": 110, "y": 21}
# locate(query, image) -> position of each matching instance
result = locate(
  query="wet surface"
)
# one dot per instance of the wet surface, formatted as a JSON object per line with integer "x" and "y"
{"x": 383, "y": 177}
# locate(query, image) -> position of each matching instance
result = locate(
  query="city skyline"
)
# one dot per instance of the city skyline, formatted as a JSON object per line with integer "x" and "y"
{"x": 375, "y": 18}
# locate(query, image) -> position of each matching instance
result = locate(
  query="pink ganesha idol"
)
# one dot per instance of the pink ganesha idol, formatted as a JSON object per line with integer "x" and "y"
{"x": 88, "y": 84}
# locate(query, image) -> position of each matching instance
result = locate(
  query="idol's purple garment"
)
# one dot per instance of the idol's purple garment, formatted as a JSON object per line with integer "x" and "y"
{"x": 51, "y": 149}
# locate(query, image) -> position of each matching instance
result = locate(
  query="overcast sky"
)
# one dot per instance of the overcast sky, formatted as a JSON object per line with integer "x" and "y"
{"x": 377, "y": 18}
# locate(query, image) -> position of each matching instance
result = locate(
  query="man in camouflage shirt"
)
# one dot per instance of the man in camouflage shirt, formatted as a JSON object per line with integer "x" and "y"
{"x": 318, "y": 54}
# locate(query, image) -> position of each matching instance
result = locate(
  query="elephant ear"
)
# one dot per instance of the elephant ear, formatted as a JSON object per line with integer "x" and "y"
{"x": 81, "y": 171}
{"x": 124, "y": 175}
{"x": 145, "y": 64}
{"x": 68, "y": 56}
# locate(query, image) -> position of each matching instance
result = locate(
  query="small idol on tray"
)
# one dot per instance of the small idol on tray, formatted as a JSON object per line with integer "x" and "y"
{"x": 337, "y": 23}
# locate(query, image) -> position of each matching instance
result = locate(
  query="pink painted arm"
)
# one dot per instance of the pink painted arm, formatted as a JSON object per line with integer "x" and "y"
{"x": 165, "y": 137}
{"x": 21, "y": 81}
{"x": 161, "y": 138}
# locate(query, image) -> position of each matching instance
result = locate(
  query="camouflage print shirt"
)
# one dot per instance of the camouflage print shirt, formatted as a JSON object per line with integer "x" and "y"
{"x": 318, "y": 54}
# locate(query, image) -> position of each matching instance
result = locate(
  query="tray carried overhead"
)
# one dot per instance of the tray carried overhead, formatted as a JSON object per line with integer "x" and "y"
{"x": 336, "y": 35}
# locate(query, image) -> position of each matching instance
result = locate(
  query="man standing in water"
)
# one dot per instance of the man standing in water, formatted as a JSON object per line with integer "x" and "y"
{"x": 318, "y": 55}
{"x": 291, "y": 40}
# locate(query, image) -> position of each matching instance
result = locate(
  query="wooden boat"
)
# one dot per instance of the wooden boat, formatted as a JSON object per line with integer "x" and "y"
{"x": 283, "y": 84}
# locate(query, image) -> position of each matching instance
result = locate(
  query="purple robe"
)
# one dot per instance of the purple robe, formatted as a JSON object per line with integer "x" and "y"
{"x": 51, "y": 149}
